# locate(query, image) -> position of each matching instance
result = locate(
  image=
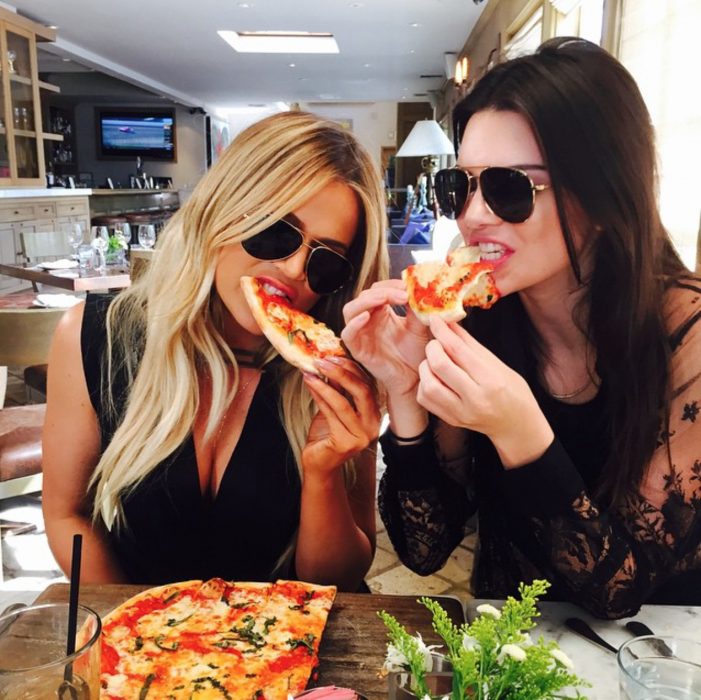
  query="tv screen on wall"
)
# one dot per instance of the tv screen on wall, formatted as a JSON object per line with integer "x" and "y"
{"x": 145, "y": 133}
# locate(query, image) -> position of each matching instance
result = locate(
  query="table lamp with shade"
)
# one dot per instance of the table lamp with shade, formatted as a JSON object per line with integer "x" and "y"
{"x": 428, "y": 141}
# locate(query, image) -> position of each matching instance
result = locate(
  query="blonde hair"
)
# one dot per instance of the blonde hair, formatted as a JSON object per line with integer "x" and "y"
{"x": 164, "y": 332}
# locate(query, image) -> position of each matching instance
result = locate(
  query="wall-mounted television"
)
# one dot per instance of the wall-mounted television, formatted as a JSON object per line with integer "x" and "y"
{"x": 129, "y": 133}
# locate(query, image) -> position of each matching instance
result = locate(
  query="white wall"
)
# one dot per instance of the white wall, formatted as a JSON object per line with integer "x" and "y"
{"x": 190, "y": 143}
{"x": 374, "y": 123}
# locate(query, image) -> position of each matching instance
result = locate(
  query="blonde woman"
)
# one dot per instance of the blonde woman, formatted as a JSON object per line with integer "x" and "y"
{"x": 176, "y": 441}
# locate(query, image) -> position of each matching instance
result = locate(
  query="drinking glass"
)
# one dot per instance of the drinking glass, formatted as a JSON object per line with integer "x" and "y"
{"x": 100, "y": 242}
{"x": 33, "y": 660}
{"x": 659, "y": 668}
{"x": 85, "y": 257}
{"x": 75, "y": 234}
{"x": 147, "y": 235}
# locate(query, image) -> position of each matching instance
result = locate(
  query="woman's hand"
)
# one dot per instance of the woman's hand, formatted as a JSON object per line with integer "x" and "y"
{"x": 348, "y": 420}
{"x": 389, "y": 346}
{"x": 466, "y": 385}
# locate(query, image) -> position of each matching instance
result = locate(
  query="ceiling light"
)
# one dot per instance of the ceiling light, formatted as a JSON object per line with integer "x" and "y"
{"x": 355, "y": 5}
{"x": 367, "y": 65}
{"x": 414, "y": 25}
{"x": 291, "y": 65}
{"x": 412, "y": 51}
{"x": 280, "y": 42}
{"x": 244, "y": 5}
{"x": 66, "y": 60}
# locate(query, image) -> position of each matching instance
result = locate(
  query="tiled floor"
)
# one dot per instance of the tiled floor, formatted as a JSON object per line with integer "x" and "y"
{"x": 28, "y": 562}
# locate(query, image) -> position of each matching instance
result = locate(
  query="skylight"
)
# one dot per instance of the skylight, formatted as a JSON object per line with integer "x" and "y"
{"x": 280, "y": 42}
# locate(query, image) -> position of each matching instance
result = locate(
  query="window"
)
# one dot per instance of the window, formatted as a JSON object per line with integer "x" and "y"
{"x": 658, "y": 46}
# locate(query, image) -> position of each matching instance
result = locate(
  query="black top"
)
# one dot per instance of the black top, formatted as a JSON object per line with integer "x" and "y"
{"x": 173, "y": 532}
{"x": 542, "y": 520}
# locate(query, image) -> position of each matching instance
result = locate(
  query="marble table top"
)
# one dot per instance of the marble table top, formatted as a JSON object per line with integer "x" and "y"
{"x": 592, "y": 662}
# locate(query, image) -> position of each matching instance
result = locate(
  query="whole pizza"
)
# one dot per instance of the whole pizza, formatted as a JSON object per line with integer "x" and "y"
{"x": 217, "y": 639}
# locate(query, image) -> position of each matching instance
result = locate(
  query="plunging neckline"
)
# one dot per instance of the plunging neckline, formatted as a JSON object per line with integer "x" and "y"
{"x": 206, "y": 494}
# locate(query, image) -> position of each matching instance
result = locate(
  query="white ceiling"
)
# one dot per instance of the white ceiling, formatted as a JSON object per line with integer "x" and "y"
{"x": 171, "y": 47}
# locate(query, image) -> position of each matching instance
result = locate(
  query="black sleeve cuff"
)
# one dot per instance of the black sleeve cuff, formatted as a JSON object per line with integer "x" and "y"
{"x": 412, "y": 466}
{"x": 546, "y": 487}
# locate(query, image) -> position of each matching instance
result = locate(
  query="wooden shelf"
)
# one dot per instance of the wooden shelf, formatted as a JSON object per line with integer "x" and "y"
{"x": 14, "y": 78}
{"x": 48, "y": 86}
{"x": 51, "y": 137}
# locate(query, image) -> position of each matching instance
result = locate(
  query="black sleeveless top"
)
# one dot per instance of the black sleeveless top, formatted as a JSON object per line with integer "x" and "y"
{"x": 173, "y": 532}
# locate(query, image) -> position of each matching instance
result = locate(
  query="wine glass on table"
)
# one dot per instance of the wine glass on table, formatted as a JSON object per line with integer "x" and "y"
{"x": 75, "y": 235}
{"x": 147, "y": 236}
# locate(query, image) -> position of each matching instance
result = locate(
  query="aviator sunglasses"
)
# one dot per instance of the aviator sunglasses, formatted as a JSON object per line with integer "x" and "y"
{"x": 508, "y": 192}
{"x": 326, "y": 270}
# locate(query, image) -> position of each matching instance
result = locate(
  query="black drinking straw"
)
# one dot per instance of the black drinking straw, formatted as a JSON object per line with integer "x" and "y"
{"x": 73, "y": 604}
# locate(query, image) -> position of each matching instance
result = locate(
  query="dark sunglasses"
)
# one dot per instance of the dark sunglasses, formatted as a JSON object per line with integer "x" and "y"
{"x": 508, "y": 192}
{"x": 326, "y": 270}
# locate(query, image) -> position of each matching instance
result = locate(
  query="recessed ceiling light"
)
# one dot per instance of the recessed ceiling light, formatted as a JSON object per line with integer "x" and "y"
{"x": 66, "y": 60}
{"x": 291, "y": 65}
{"x": 412, "y": 51}
{"x": 280, "y": 42}
{"x": 367, "y": 65}
{"x": 355, "y": 5}
{"x": 415, "y": 25}
{"x": 53, "y": 26}
{"x": 303, "y": 80}
{"x": 244, "y": 5}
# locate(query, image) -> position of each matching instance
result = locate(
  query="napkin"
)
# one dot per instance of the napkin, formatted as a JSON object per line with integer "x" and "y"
{"x": 63, "y": 264}
{"x": 56, "y": 301}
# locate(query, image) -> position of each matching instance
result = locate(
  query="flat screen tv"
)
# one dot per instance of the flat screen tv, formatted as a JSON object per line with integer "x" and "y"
{"x": 129, "y": 133}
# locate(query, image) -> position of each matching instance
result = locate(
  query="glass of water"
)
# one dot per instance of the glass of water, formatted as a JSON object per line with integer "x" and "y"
{"x": 659, "y": 668}
{"x": 33, "y": 660}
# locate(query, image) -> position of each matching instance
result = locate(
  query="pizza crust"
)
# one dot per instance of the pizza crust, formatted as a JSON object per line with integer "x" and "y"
{"x": 325, "y": 341}
{"x": 462, "y": 280}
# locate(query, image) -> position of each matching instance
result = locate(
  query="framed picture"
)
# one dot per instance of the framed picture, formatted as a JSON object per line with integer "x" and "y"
{"x": 218, "y": 138}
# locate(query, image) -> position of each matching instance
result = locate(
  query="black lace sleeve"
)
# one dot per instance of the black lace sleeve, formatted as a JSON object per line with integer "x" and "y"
{"x": 424, "y": 501}
{"x": 611, "y": 562}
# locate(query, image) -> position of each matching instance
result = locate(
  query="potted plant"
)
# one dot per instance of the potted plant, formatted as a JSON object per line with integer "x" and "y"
{"x": 491, "y": 658}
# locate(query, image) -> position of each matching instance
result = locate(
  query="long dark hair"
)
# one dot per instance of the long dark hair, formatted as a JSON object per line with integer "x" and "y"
{"x": 596, "y": 137}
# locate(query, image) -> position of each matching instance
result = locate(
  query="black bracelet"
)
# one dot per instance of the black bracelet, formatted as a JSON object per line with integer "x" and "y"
{"x": 417, "y": 439}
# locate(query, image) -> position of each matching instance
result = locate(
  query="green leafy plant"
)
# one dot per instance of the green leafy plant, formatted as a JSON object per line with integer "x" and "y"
{"x": 493, "y": 657}
{"x": 115, "y": 244}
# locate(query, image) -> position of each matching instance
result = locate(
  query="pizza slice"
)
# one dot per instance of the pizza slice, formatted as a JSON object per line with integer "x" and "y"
{"x": 298, "y": 337}
{"x": 444, "y": 289}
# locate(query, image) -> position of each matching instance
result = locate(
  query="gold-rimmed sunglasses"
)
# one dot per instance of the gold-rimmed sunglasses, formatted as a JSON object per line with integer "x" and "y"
{"x": 508, "y": 192}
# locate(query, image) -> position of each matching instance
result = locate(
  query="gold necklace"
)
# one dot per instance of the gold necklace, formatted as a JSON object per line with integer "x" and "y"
{"x": 239, "y": 391}
{"x": 572, "y": 394}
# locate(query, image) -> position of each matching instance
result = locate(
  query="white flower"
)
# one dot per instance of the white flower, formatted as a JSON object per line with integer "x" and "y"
{"x": 395, "y": 661}
{"x": 561, "y": 658}
{"x": 513, "y": 651}
{"x": 526, "y": 640}
{"x": 487, "y": 609}
{"x": 426, "y": 650}
{"x": 470, "y": 643}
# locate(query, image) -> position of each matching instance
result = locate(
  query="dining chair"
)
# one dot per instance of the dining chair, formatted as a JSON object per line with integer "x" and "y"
{"x": 38, "y": 246}
{"x": 25, "y": 337}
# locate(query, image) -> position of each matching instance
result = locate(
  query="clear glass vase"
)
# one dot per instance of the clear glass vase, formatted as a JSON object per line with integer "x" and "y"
{"x": 439, "y": 681}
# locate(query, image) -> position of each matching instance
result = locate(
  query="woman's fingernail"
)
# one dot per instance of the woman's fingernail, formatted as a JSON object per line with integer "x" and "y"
{"x": 310, "y": 375}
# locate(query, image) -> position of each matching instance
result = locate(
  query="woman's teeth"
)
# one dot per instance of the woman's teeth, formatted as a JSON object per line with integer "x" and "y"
{"x": 491, "y": 251}
{"x": 274, "y": 291}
